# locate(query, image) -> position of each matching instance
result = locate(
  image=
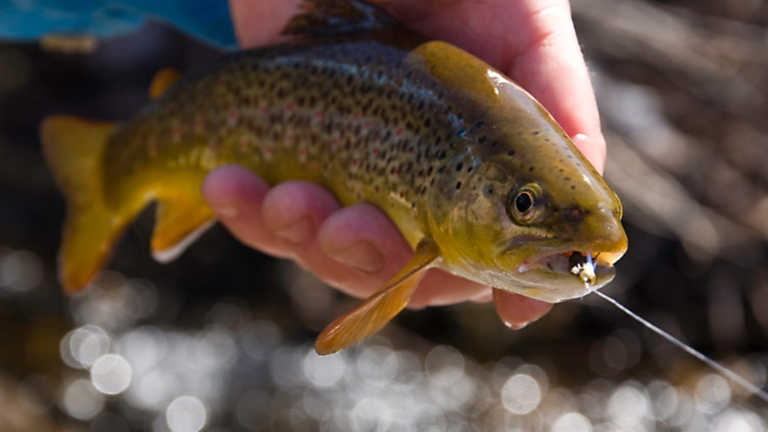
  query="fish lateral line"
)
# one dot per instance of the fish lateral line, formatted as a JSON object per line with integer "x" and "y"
{"x": 718, "y": 367}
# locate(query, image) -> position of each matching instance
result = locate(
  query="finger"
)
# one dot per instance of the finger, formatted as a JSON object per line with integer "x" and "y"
{"x": 484, "y": 296}
{"x": 235, "y": 195}
{"x": 517, "y": 311}
{"x": 243, "y": 203}
{"x": 260, "y": 22}
{"x": 293, "y": 212}
{"x": 551, "y": 66}
{"x": 359, "y": 250}
{"x": 440, "y": 288}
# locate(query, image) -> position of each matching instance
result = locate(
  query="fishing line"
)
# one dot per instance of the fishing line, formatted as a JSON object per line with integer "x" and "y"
{"x": 753, "y": 389}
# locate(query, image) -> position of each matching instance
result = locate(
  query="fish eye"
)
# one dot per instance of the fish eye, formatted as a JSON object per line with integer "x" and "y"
{"x": 524, "y": 201}
{"x": 522, "y": 206}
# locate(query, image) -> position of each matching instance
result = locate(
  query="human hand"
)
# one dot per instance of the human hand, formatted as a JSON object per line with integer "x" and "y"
{"x": 357, "y": 248}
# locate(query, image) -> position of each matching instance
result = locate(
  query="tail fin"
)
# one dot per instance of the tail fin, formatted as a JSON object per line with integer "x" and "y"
{"x": 74, "y": 150}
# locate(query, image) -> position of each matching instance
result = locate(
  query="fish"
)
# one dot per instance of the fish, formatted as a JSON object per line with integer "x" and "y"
{"x": 478, "y": 177}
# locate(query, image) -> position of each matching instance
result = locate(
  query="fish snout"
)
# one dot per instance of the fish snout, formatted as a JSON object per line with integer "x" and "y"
{"x": 604, "y": 236}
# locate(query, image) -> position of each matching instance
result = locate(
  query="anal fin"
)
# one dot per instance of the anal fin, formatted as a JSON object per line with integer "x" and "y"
{"x": 178, "y": 223}
{"x": 381, "y": 307}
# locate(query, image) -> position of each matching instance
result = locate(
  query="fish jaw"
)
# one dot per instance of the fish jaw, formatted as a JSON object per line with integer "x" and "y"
{"x": 553, "y": 278}
{"x": 551, "y": 273}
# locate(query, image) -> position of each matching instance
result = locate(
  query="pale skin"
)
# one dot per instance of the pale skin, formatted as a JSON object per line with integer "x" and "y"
{"x": 357, "y": 248}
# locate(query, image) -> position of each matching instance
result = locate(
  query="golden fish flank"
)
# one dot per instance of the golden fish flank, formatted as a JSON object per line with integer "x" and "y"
{"x": 475, "y": 173}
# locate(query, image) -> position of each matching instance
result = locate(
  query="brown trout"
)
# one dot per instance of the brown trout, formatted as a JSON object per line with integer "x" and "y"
{"x": 478, "y": 177}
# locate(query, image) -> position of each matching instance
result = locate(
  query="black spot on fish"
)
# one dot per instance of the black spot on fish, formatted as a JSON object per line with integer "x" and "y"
{"x": 511, "y": 153}
{"x": 573, "y": 214}
{"x": 458, "y": 185}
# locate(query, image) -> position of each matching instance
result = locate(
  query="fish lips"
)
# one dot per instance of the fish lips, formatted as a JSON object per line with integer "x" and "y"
{"x": 554, "y": 286}
{"x": 548, "y": 276}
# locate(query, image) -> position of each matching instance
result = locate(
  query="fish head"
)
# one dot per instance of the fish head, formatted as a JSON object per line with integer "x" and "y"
{"x": 531, "y": 209}
{"x": 524, "y": 231}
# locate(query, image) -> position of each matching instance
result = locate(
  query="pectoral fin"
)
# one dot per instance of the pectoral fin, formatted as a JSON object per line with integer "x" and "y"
{"x": 164, "y": 79}
{"x": 380, "y": 308}
{"x": 178, "y": 223}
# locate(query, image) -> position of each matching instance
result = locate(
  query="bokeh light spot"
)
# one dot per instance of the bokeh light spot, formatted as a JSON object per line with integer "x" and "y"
{"x": 712, "y": 393}
{"x": 324, "y": 371}
{"x": 572, "y": 422}
{"x": 186, "y": 414}
{"x": 521, "y": 394}
{"x": 111, "y": 374}
{"x": 81, "y": 401}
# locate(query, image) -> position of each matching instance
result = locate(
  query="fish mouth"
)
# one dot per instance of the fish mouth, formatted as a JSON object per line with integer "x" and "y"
{"x": 565, "y": 261}
{"x": 565, "y": 274}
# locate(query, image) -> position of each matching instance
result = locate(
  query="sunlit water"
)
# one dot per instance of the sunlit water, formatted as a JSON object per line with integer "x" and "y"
{"x": 245, "y": 375}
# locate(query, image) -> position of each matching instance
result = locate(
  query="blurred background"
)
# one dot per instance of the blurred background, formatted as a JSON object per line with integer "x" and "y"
{"x": 221, "y": 339}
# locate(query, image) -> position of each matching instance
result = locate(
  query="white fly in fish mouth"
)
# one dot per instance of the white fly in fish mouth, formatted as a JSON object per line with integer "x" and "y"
{"x": 585, "y": 270}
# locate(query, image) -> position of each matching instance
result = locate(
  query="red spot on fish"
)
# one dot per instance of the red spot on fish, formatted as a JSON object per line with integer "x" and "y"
{"x": 232, "y": 117}
{"x": 268, "y": 150}
{"x": 290, "y": 108}
{"x": 399, "y": 132}
{"x": 356, "y": 116}
{"x": 376, "y": 188}
{"x": 303, "y": 152}
{"x": 319, "y": 114}
{"x": 376, "y": 151}
{"x": 393, "y": 171}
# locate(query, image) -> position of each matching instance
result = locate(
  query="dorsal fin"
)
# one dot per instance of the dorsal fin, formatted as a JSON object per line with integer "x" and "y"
{"x": 324, "y": 18}
{"x": 164, "y": 79}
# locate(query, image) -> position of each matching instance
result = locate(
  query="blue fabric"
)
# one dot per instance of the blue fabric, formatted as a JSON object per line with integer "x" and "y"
{"x": 208, "y": 20}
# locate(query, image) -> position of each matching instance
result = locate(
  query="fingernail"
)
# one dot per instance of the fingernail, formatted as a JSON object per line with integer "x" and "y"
{"x": 361, "y": 255}
{"x": 516, "y": 325}
{"x": 296, "y": 232}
